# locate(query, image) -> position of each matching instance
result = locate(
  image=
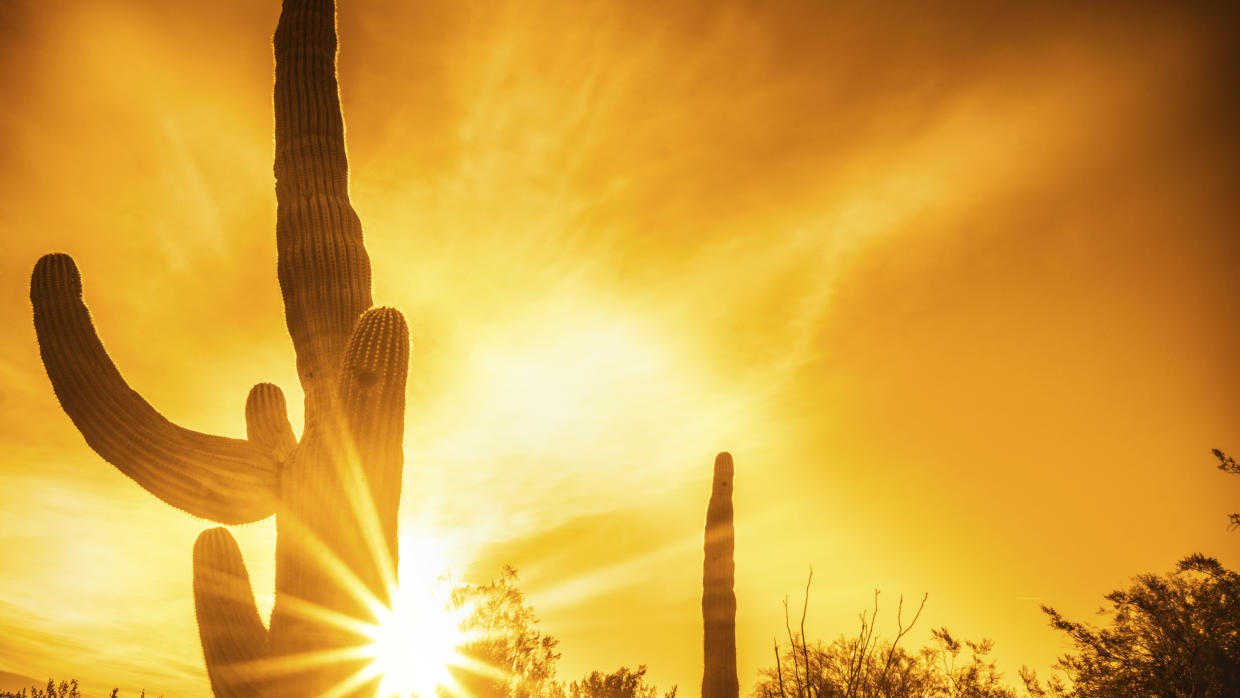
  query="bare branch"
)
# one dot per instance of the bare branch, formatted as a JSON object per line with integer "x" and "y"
{"x": 796, "y": 671}
{"x": 809, "y": 685}
{"x": 779, "y": 670}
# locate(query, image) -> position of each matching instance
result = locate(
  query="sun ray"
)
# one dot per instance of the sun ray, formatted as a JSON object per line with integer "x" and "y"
{"x": 326, "y": 616}
{"x": 349, "y": 684}
{"x": 411, "y": 638}
{"x": 289, "y": 664}
{"x": 331, "y": 563}
{"x": 362, "y": 504}
{"x": 416, "y": 639}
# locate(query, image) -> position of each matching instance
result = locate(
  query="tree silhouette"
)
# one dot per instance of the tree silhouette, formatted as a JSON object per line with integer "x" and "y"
{"x": 509, "y": 657}
{"x": 1228, "y": 465}
{"x": 1168, "y": 635}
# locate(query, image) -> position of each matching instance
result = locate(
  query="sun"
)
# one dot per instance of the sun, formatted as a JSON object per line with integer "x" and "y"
{"x": 413, "y": 646}
{"x": 416, "y": 641}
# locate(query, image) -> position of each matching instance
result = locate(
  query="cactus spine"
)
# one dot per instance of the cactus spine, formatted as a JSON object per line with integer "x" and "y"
{"x": 718, "y": 580}
{"x": 335, "y": 492}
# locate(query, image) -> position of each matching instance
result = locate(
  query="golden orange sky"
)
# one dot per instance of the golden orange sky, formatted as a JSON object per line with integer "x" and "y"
{"x": 957, "y": 287}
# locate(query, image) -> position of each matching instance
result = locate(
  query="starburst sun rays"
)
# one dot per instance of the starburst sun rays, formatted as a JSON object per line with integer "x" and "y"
{"x": 411, "y": 647}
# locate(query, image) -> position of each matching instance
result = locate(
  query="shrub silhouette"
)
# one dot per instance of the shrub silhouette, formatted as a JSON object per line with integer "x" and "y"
{"x": 622, "y": 683}
{"x": 884, "y": 669}
{"x": 335, "y": 491}
{"x": 866, "y": 666}
{"x": 64, "y": 689}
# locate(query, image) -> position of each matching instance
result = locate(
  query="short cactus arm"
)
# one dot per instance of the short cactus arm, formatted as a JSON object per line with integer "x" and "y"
{"x": 323, "y": 267}
{"x": 225, "y": 480}
{"x": 266, "y": 421}
{"x": 234, "y": 640}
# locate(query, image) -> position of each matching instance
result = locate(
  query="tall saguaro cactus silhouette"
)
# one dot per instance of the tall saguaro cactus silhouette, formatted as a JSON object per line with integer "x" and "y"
{"x": 335, "y": 492}
{"x": 718, "y": 596}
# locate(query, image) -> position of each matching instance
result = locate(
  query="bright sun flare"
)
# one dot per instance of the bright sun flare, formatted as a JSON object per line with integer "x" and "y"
{"x": 416, "y": 641}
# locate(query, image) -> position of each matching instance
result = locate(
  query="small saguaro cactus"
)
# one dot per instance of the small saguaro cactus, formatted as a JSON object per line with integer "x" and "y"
{"x": 718, "y": 595}
{"x": 334, "y": 492}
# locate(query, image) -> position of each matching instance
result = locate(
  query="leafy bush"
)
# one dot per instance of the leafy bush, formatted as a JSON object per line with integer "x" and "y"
{"x": 1167, "y": 635}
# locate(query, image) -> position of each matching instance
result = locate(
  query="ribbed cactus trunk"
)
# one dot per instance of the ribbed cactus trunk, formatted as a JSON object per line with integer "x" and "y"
{"x": 335, "y": 492}
{"x": 718, "y": 595}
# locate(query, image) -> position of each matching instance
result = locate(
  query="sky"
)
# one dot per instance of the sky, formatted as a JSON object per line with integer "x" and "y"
{"x": 955, "y": 285}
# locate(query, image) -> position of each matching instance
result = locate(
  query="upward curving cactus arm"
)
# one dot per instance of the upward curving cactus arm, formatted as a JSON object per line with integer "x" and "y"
{"x": 336, "y": 533}
{"x": 234, "y": 641}
{"x": 372, "y": 400}
{"x": 221, "y": 479}
{"x": 323, "y": 267}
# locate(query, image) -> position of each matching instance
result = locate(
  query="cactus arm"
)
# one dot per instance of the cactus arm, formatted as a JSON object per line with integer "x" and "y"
{"x": 234, "y": 641}
{"x": 339, "y": 494}
{"x": 225, "y": 480}
{"x": 266, "y": 421}
{"x": 322, "y": 264}
{"x": 719, "y": 679}
{"x": 372, "y": 401}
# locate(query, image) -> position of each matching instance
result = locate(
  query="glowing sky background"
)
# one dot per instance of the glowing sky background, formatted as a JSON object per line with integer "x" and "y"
{"x": 957, "y": 287}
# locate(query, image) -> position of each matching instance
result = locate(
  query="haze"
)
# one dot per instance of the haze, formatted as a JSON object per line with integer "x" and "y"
{"x": 956, "y": 287}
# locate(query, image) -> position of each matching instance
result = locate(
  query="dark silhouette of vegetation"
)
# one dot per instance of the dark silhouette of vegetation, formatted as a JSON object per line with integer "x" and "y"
{"x": 64, "y": 689}
{"x": 338, "y": 488}
{"x": 620, "y": 684}
{"x": 505, "y": 638}
{"x": 847, "y": 668}
{"x": 510, "y": 657}
{"x": 1167, "y": 635}
{"x": 1228, "y": 465}
{"x": 866, "y": 666}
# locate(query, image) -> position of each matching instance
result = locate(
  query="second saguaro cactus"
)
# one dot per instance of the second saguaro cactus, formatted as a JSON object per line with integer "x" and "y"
{"x": 335, "y": 491}
{"x": 718, "y": 581}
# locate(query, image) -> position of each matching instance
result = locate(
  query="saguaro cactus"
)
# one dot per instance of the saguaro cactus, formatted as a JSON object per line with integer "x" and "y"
{"x": 335, "y": 491}
{"x": 718, "y": 597}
